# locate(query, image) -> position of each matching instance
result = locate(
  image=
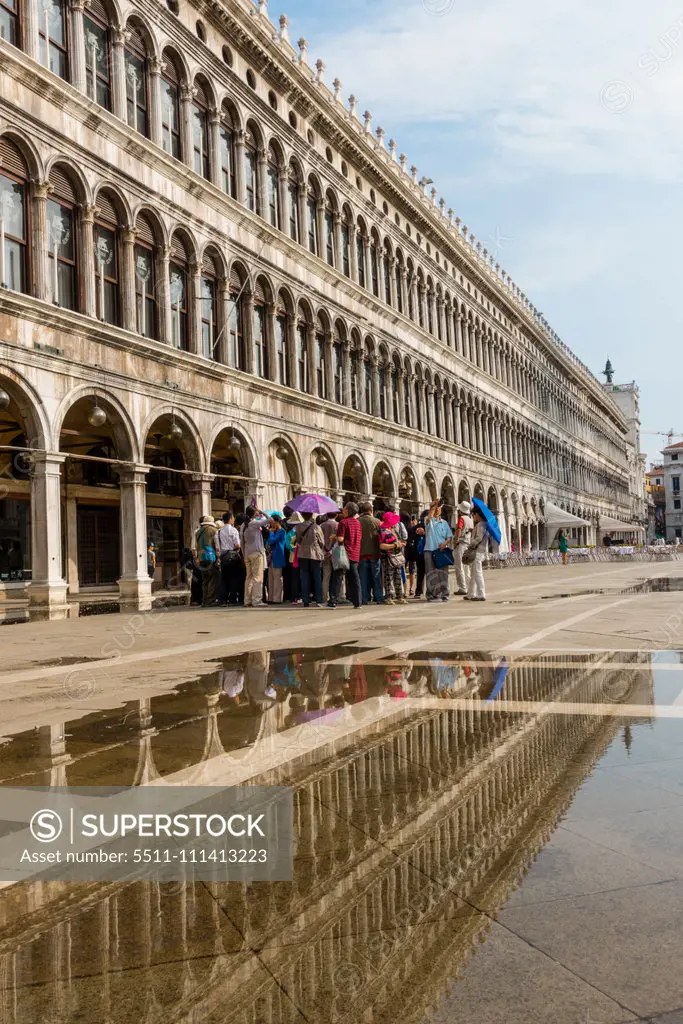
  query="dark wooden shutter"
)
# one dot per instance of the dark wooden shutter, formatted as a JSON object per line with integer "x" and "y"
{"x": 136, "y": 43}
{"x": 105, "y": 205}
{"x": 170, "y": 71}
{"x": 62, "y": 188}
{"x": 178, "y": 250}
{"x": 235, "y": 280}
{"x": 200, "y": 97}
{"x": 209, "y": 265}
{"x": 259, "y": 294}
{"x": 145, "y": 230}
{"x": 97, "y": 10}
{"x": 11, "y": 159}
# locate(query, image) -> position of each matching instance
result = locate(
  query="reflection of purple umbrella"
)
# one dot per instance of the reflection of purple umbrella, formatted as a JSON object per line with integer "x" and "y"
{"x": 318, "y": 503}
{"x": 311, "y": 716}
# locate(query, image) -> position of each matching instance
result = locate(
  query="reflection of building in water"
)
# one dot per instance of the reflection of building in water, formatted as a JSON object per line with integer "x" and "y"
{"x": 469, "y": 796}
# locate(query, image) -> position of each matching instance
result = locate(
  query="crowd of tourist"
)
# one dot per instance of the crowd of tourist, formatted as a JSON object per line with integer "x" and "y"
{"x": 355, "y": 555}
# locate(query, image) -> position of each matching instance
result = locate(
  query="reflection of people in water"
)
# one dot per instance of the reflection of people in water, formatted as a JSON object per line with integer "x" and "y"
{"x": 261, "y": 695}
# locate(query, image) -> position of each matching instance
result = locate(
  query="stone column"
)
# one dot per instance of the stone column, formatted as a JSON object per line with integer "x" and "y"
{"x": 271, "y": 355}
{"x": 154, "y": 84}
{"x": 401, "y": 396}
{"x": 457, "y": 423}
{"x": 40, "y": 191}
{"x": 448, "y": 429}
{"x": 320, "y": 226}
{"x": 135, "y": 585}
{"x": 223, "y": 301}
{"x": 353, "y": 252}
{"x": 303, "y": 214}
{"x": 328, "y": 367}
{"x": 194, "y": 319}
{"x": 119, "y": 37}
{"x": 458, "y": 331}
{"x": 47, "y": 590}
{"x": 311, "y": 360}
{"x": 72, "y": 546}
{"x": 240, "y": 184}
{"x": 291, "y": 350}
{"x": 346, "y": 373}
{"x": 283, "y": 199}
{"x": 215, "y": 147}
{"x": 404, "y": 291}
{"x": 199, "y": 502}
{"x": 30, "y": 30}
{"x": 248, "y": 331}
{"x": 164, "y": 294}
{"x": 377, "y": 406}
{"x": 77, "y": 49}
{"x": 440, "y": 331}
{"x": 187, "y": 95}
{"x": 128, "y": 318}
{"x": 423, "y": 407}
{"x": 87, "y": 250}
{"x": 338, "y": 256}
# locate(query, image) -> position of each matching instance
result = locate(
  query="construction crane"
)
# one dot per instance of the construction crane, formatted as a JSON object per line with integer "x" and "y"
{"x": 668, "y": 434}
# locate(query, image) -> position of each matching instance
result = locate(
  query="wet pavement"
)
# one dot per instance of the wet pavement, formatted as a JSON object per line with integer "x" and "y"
{"x": 479, "y": 838}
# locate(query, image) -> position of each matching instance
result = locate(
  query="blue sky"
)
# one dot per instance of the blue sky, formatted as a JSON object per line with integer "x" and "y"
{"x": 555, "y": 131}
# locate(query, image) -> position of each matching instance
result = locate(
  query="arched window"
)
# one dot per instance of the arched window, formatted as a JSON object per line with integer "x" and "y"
{"x": 62, "y": 241}
{"x": 420, "y": 300}
{"x": 235, "y": 324}
{"x": 368, "y": 372}
{"x": 170, "y": 107}
{"x": 146, "y": 316}
{"x": 346, "y": 243}
{"x": 98, "y": 62}
{"x": 293, "y": 187}
{"x": 10, "y": 28}
{"x": 261, "y": 367}
{"x": 321, "y": 376}
{"x": 410, "y": 288}
{"x": 273, "y": 188}
{"x": 312, "y": 218}
{"x": 394, "y": 395}
{"x": 302, "y": 381}
{"x": 386, "y": 269}
{"x": 106, "y": 234}
{"x": 137, "y": 87}
{"x": 200, "y": 131}
{"x": 355, "y": 378}
{"x": 374, "y": 266}
{"x": 407, "y": 418}
{"x": 418, "y": 403}
{"x": 281, "y": 332}
{"x": 338, "y": 367}
{"x": 227, "y": 134}
{"x": 207, "y": 298}
{"x": 361, "y": 242}
{"x": 14, "y": 218}
{"x": 179, "y": 294}
{"x": 382, "y": 371}
{"x": 399, "y": 286}
{"x": 53, "y": 33}
{"x": 329, "y": 231}
{"x": 250, "y": 172}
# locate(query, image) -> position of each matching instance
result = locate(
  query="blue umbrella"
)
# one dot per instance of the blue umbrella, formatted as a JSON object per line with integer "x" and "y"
{"x": 489, "y": 518}
{"x": 499, "y": 675}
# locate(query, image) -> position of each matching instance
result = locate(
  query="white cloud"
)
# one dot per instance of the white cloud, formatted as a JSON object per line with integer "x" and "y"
{"x": 573, "y": 87}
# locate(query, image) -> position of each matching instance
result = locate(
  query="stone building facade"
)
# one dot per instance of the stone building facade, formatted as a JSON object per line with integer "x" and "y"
{"x": 219, "y": 283}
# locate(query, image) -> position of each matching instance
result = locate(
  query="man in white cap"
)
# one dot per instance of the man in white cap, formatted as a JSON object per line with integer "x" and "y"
{"x": 463, "y": 534}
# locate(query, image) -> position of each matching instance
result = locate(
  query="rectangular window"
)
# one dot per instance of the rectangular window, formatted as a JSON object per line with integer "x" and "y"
{"x": 235, "y": 354}
{"x": 97, "y": 70}
{"x": 145, "y": 305}
{"x": 674, "y": 458}
{"x": 677, "y": 503}
{"x": 678, "y": 531}
{"x": 676, "y": 483}
{"x": 227, "y": 162}
{"x": 9, "y": 21}
{"x": 170, "y": 119}
{"x": 250, "y": 178}
{"x": 106, "y": 266}
{"x": 13, "y": 221}
{"x": 51, "y": 36}
{"x": 61, "y": 255}
{"x": 281, "y": 350}
{"x": 208, "y": 301}
{"x": 179, "y": 323}
{"x": 136, "y": 93}
{"x": 260, "y": 341}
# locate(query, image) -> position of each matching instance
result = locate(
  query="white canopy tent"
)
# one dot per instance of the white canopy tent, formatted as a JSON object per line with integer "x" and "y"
{"x": 556, "y": 518}
{"x": 609, "y": 525}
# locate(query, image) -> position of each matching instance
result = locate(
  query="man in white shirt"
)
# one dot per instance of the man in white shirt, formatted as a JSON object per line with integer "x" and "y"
{"x": 230, "y": 557}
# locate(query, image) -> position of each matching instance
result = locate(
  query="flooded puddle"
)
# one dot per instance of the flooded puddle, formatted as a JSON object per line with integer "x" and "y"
{"x": 418, "y": 823}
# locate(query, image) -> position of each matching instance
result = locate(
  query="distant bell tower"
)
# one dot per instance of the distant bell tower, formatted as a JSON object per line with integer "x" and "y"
{"x": 608, "y": 372}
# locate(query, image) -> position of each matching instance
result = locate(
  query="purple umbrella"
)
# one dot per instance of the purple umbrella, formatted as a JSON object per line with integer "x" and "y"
{"x": 318, "y": 503}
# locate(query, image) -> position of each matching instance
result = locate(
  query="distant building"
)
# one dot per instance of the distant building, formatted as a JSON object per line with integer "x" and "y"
{"x": 627, "y": 399}
{"x": 656, "y": 501}
{"x": 673, "y": 471}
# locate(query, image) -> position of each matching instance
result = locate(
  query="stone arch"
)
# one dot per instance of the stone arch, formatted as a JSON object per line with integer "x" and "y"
{"x": 234, "y": 461}
{"x": 383, "y": 484}
{"x": 28, "y": 405}
{"x": 283, "y": 471}
{"x": 74, "y": 173}
{"x": 407, "y": 491}
{"x": 479, "y": 491}
{"x": 77, "y": 406}
{"x": 429, "y": 489}
{"x": 190, "y": 444}
{"x": 158, "y": 226}
{"x": 322, "y": 470}
{"x": 120, "y": 203}
{"x": 141, "y": 25}
{"x": 354, "y": 477}
{"x": 492, "y": 499}
{"x": 27, "y": 150}
{"x": 447, "y": 493}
